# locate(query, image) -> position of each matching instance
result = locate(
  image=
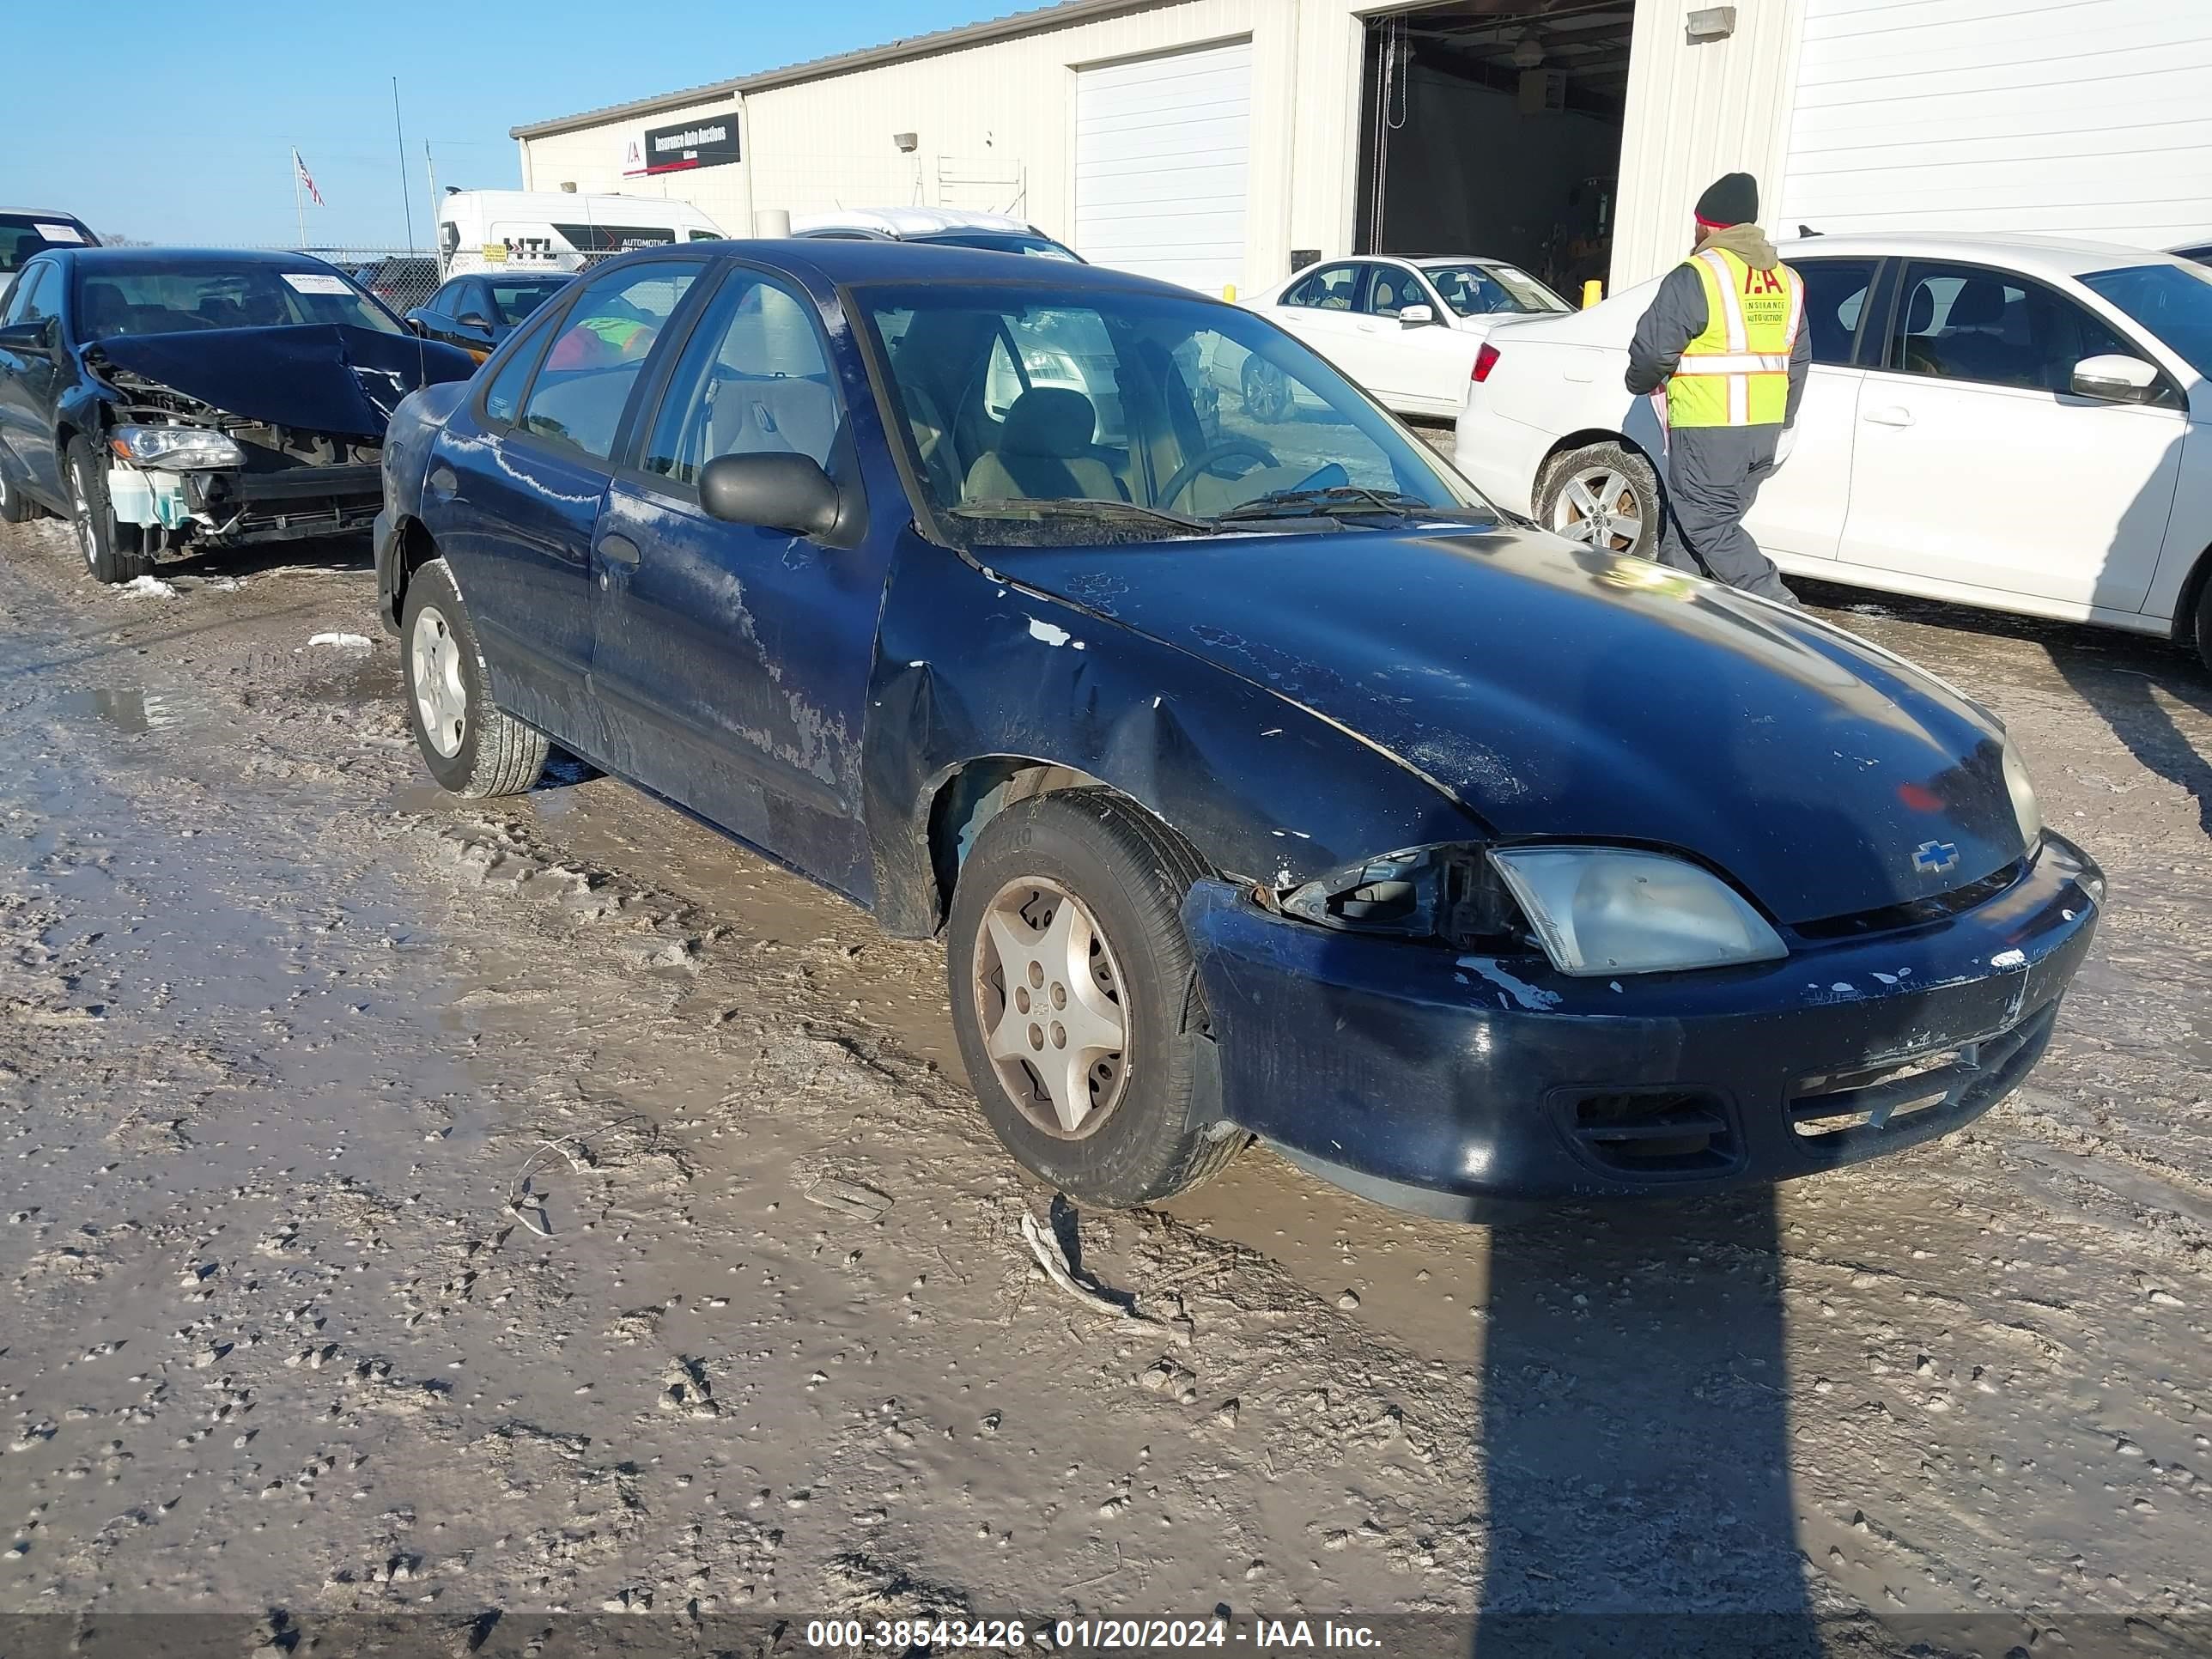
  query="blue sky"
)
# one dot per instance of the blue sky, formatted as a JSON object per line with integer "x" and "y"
{"x": 185, "y": 132}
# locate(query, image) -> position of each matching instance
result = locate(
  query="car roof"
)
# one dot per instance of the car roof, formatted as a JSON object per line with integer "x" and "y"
{"x": 834, "y": 262}
{"x": 2056, "y": 255}
{"x": 186, "y": 259}
{"x": 1434, "y": 262}
{"x": 43, "y": 213}
{"x": 908, "y": 221}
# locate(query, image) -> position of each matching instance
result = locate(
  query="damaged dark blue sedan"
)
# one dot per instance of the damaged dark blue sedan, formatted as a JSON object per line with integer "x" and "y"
{"x": 1263, "y": 780}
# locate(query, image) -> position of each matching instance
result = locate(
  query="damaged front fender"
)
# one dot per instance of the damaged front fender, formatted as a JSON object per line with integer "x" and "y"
{"x": 975, "y": 672}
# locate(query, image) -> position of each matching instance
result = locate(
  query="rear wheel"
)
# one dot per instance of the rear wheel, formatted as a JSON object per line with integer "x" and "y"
{"x": 1074, "y": 999}
{"x": 1603, "y": 495}
{"x": 471, "y": 745}
{"x": 112, "y": 552}
{"x": 1265, "y": 390}
{"x": 15, "y": 507}
{"x": 2204, "y": 622}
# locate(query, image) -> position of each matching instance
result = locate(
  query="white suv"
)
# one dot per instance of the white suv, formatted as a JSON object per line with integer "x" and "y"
{"x": 2017, "y": 422}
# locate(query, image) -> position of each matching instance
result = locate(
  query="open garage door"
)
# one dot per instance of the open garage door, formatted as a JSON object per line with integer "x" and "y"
{"x": 1160, "y": 165}
{"x": 1491, "y": 129}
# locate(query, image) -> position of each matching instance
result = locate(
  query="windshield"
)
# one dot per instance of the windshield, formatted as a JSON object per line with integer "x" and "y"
{"x": 1136, "y": 414}
{"x": 114, "y": 300}
{"x": 24, "y": 235}
{"x": 1479, "y": 290}
{"x": 996, "y": 241}
{"x": 2173, "y": 301}
{"x": 515, "y": 300}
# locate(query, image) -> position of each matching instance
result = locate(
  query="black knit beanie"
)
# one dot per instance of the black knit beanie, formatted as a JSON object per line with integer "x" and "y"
{"x": 1730, "y": 200}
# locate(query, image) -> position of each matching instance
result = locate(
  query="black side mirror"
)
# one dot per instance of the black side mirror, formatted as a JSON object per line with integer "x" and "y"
{"x": 27, "y": 337}
{"x": 413, "y": 321}
{"x": 476, "y": 319}
{"x": 773, "y": 491}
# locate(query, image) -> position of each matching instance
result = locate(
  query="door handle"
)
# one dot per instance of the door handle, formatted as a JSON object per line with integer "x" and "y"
{"x": 1891, "y": 416}
{"x": 442, "y": 484}
{"x": 618, "y": 549}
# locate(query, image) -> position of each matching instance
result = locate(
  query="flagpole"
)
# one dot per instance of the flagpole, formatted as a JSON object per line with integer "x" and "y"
{"x": 298, "y": 210}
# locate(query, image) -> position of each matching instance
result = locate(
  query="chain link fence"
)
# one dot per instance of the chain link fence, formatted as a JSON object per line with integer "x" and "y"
{"x": 404, "y": 278}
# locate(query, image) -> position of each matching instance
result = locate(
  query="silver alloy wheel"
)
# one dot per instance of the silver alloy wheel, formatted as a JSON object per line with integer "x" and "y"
{"x": 441, "y": 695}
{"x": 1597, "y": 506}
{"x": 85, "y": 539}
{"x": 1048, "y": 996}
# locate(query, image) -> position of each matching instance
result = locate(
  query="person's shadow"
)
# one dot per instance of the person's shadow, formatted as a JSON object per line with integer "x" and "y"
{"x": 1635, "y": 1417}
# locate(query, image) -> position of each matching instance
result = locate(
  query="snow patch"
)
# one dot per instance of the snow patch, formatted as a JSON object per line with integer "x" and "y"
{"x": 148, "y": 587}
{"x": 2010, "y": 959}
{"x": 342, "y": 641}
{"x": 1048, "y": 633}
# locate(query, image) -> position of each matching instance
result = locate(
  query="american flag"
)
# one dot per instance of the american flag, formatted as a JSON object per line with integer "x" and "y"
{"x": 307, "y": 179}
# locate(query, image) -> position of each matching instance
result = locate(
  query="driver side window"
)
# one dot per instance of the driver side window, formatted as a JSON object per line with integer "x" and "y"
{"x": 753, "y": 381}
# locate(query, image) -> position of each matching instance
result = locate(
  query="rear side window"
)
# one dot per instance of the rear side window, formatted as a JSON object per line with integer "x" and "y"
{"x": 1332, "y": 288}
{"x": 605, "y": 337}
{"x": 1835, "y": 303}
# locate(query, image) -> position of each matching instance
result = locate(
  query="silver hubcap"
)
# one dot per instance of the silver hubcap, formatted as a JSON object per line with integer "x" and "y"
{"x": 1048, "y": 994}
{"x": 84, "y": 537}
{"x": 441, "y": 696}
{"x": 1599, "y": 509}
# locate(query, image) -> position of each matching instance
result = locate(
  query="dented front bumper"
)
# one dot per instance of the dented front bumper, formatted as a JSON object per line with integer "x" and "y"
{"x": 1474, "y": 1087}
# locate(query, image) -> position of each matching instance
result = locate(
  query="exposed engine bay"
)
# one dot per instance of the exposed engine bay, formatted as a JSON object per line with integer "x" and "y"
{"x": 230, "y": 478}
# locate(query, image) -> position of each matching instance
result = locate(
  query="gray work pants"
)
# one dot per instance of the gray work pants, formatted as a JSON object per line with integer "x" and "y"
{"x": 1713, "y": 475}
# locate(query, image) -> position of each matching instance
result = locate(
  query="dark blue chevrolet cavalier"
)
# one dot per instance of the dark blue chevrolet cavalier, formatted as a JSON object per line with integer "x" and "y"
{"x": 1263, "y": 780}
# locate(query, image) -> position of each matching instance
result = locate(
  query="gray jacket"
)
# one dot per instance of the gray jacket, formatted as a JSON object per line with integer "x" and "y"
{"x": 1678, "y": 314}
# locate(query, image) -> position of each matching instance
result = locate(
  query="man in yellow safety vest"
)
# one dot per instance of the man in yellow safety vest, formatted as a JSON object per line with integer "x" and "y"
{"x": 1724, "y": 336}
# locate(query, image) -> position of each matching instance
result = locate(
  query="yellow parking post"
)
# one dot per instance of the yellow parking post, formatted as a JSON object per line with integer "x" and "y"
{"x": 1593, "y": 291}
{"x": 1229, "y": 292}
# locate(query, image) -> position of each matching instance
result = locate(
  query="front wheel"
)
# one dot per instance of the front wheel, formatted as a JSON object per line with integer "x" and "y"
{"x": 1603, "y": 495}
{"x": 112, "y": 552}
{"x": 1074, "y": 1001}
{"x": 471, "y": 745}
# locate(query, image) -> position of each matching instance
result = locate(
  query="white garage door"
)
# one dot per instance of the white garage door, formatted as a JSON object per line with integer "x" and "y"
{"x": 1160, "y": 165}
{"x": 2092, "y": 118}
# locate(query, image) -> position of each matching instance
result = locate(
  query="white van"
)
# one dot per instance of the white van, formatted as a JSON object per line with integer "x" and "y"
{"x": 521, "y": 230}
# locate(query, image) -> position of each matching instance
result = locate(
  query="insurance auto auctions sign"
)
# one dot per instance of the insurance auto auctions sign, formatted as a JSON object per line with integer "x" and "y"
{"x": 703, "y": 143}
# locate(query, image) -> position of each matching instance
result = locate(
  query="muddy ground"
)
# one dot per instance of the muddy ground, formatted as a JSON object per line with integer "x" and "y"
{"x": 414, "y": 1206}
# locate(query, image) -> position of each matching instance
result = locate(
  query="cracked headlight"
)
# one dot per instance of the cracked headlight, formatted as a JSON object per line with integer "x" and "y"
{"x": 182, "y": 447}
{"x": 1445, "y": 892}
{"x": 2024, "y": 806}
{"x": 1604, "y": 910}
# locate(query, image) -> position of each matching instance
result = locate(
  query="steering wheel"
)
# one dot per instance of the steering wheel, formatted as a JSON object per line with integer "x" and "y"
{"x": 1224, "y": 449}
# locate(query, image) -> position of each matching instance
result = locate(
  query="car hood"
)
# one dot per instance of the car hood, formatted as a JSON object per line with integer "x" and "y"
{"x": 1560, "y": 692}
{"x": 320, "y": 377}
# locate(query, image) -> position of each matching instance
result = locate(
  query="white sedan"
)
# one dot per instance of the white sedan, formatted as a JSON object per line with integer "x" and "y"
{"x": 1405, "y": 330}
{"x": 2017, "y": 422}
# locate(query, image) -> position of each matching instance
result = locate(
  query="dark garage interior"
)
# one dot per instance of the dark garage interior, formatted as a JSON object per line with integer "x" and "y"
{"x": 1492, "y": 128}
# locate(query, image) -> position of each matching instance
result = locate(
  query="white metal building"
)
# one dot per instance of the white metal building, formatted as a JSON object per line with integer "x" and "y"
{"x": 1216, "y": 141}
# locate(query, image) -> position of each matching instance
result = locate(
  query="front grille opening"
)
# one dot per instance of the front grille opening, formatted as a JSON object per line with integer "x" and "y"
{"x": 1681, "y": 1132}
{"x": 1915, "y": 912}
{"x": 1885, "y": 1097}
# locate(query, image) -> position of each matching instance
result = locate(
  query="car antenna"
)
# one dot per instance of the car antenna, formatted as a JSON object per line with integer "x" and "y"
{"x": 407, "y": 207}
{"x": 1807, "y": 230}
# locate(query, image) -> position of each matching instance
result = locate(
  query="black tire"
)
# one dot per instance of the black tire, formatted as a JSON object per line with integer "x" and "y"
{"x": 112, "y": 552}
{"x": 1636, "y": 485}
{"x": 15, "y": 507}
{"x": 1132, "y": 875}
{"x": 1265, "y": 389}
{"x": 2205, "y": 624}
{"x": 486, "y": 751}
